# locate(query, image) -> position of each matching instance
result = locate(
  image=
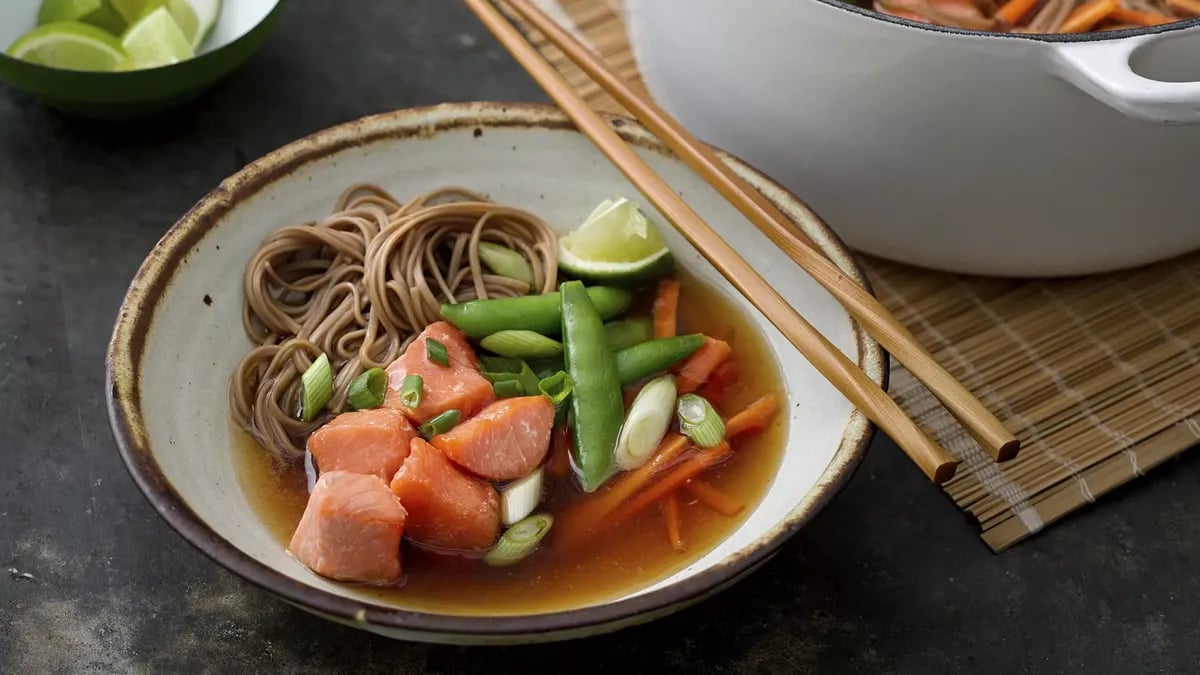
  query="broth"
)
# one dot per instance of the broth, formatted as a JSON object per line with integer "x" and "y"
{"x": 628, "y": 557}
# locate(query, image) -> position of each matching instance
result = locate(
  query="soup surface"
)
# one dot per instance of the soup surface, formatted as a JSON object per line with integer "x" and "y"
{"x": 629, "y": 556}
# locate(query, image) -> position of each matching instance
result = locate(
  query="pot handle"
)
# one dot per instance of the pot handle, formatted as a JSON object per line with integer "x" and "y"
{"x": 1102, "y": 69}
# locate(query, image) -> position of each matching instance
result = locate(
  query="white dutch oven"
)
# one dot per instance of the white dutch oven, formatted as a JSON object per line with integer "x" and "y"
{"x": 970, "y": 152}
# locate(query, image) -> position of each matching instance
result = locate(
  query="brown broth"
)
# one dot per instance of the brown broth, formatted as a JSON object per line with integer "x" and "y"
{"x": 630, "y": 556}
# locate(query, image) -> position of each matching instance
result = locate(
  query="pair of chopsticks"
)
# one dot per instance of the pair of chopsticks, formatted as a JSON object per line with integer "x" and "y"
{"x": 851, "y": 381}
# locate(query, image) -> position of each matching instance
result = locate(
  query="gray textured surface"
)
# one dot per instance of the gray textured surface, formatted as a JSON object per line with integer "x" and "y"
{"x": 890, "y": 578}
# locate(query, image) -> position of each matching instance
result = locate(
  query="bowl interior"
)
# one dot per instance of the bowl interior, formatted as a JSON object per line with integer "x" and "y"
{"x": 237, "y": 18}
{"x": 189, "y": 303}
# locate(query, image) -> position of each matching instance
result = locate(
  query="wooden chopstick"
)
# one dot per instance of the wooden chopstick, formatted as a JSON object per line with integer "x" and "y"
{"x": 985, "y": 427}
{"x": 875, "y": 403}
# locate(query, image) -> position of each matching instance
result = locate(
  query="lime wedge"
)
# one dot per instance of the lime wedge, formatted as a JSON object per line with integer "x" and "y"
{"x": 156, "y": 40}
{"x": 71, "y": 46}
{"x": 195, "y": 17}
{"x": 615, "y": 245}
{"x": 96, "y": 12}
{"x": 132, "y": 10}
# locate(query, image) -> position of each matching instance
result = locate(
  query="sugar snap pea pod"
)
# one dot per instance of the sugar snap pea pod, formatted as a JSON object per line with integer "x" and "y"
{"x": 596, "y": 405}
{"x": 538, "y": 313}
{"x": 654, "y": 356}
{"x": 629, "y": 332}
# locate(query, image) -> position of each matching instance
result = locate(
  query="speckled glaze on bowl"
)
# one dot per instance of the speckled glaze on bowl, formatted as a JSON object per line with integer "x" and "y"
{"x": 241, "y": 28}
{"x": 179, "y": 335}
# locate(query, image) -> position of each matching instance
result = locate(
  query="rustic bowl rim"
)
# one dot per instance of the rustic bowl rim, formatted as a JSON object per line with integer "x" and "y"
{"x": 154, "y": 277}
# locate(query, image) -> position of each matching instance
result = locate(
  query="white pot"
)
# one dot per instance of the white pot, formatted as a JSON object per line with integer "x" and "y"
{"x": 969, "y": 152}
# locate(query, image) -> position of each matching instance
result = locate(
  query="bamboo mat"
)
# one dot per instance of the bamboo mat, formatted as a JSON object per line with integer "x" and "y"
{"x": 1099, "y": 376}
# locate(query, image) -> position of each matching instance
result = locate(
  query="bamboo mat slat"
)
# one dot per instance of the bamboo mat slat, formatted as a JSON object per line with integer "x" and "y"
{"x": 1099, "y": 376}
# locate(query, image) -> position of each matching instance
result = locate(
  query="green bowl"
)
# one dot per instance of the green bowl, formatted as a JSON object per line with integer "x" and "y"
{"x": 241, "y": 28}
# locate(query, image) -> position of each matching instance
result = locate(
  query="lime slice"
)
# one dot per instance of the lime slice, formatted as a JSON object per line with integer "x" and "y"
{"x": 156, "y": 40}
{"x": 195, "y": 17}
{"x": 615, "y": 245}
{"x": 71, "y": 46}
{"x": 53, "y": 11}
{"x": 132, "y": 10}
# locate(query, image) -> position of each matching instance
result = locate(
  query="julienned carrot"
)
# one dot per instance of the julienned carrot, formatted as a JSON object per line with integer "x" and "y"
{"x": 1084, "y": 17}
{"x": 674, "y": 524}
{"x": 713, "y": 498}
{"x": 754, "y": 416}
{"x": 578, "y": 524}
{"x": 1013, "y": 10}
{"x": 719, "y": 381}
{"x": 559, "y": 463}
{"x": 1139, "y": 17}
{"x": 1186, "y": 6}
{"x": 666, "y": 308}
{"x": 689, "y": 468}
{"x": 701, "y": 364}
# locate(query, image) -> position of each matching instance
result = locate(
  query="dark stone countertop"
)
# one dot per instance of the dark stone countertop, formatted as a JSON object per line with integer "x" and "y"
{"x": 889, "y": 578}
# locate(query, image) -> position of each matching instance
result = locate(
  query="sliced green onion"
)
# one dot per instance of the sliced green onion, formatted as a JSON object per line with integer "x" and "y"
{"x": 544, "y": 368}
{"x": 499, "y": 364}
{"x": 505, "y": 262}
{"x": 369, "y": 389}
{"x": 520, "y": 497}
{"x": 527, "y": 378}
{"x": 412, "y": 390}
{"x": 440, "y": 424}
{"x": 558, "y": 387}
{"x": 436, "y": 352}
{"x": 316, "y": 388}
{"x": 699, "y": 421}
{"x": 508, "y": 388}
{"x": 519, "y": 541}
{"x": 647, "y": 423}
{"x": 522, "y": 344}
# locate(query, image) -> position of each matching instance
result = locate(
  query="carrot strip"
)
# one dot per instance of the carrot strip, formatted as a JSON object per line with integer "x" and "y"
{"x": 1085, "y": 16}
{"x": 577, "y": 525}
{"x": 1186, "y": 6}
{"x": 754, "y": 416}
{"x": 674, "y": 524}
{"x": 1139, "y": 18}
{"x": 721, "y": 379}
{"x": 1014, "y": 10}
{"x": 559, "y": 462}
{"x": 713, "y": 498}
{"x": 689, "y": 468}
{"x": 696, "y": 369}
{"x": 666, "y": 308}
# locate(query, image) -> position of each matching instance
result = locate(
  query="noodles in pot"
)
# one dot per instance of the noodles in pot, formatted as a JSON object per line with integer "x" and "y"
{"x": 358, "y": 287}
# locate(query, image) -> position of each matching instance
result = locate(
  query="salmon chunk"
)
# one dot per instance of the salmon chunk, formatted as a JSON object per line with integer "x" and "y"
{"x": 351, "y": 529}
{"x": 506, "y": 440}
{"x": 447, "y": 509}
{"x": 458, "y": 385}
{"x": 368, "y": 441}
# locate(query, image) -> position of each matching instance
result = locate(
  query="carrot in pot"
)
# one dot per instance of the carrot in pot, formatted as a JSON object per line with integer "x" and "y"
{"x": 674, "y": 523}
{"x": 666, "y": 308}
{"x": 713, "y": 498}
{"x": 577, "y": 524}
{"x": 695, "y": 371}
{"x": 724, "y": 376}
{"x": 1140, "y": 18}
{"x": 752, "y": 417}
{"x": 1085, "y": 16}
{"x": 1013, "y": 10}
{"x": 689, "y": 468}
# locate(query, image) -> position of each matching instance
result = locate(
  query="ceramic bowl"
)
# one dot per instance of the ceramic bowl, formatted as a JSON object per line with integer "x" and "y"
{"x": 179, "y": 336}
{"x": 241, "y": 28}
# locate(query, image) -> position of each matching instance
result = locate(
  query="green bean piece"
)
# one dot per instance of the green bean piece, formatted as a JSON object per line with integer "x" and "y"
{"x": 538, "y": 313}
{"x": 596, "y": 404}
{"x": 628, "y": 332}
{"x": 654, "y": 356}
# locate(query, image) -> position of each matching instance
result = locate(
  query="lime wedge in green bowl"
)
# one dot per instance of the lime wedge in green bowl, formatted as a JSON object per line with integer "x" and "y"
{"x": 223, "y": 36}
{"x": 70, "y": 45}
{"x": 616, "y": 245}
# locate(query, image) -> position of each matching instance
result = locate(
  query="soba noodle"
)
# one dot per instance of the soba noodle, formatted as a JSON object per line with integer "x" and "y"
{"x": 358, "y": 287}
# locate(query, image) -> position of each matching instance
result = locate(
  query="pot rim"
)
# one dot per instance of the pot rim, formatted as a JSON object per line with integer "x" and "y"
{"x": 1101, "y": 36}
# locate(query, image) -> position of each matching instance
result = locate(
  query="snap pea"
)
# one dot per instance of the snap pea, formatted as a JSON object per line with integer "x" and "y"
{"x": 596, "y": 405}
{"x": 538, "y": 313}
{"x": 654, "y": 356}
{"x": 629, "y": 332}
